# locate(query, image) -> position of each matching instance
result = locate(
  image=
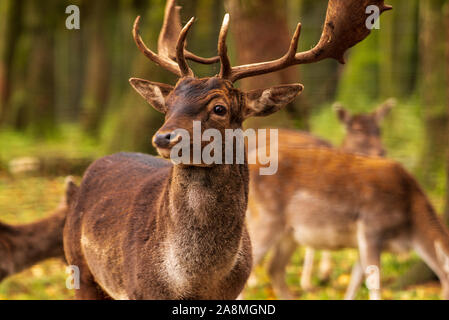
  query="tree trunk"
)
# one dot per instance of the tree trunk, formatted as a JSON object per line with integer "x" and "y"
{"x": 446, "y": 215}
{"x": 98, "y": 75}
{"x": 11, "y": 29}
{"x": 399, "y": 49}
{"x": 433, "y": 86}
{"x": 40, "y": 103}
{"x": 131, "y": 125}
{"x": 260, "y": 33}
{"x": 433, "y": 89}
{"x": 71, "y": 61}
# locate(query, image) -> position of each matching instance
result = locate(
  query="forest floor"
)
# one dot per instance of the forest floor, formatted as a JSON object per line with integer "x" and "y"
{"x": 26, "y": 199}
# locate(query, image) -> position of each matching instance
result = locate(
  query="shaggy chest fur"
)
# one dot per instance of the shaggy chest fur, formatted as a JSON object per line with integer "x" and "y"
{"x": 206, "y": 215}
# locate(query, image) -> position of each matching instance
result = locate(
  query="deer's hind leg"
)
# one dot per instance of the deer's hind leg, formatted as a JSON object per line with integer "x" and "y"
{"x": 435, "y": 257}
{"x": 370, "y": 247}
{"x": 265, "y": 234}
{"x": 307, "y": 269}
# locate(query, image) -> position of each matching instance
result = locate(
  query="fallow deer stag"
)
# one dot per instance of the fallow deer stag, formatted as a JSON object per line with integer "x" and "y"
{"x": 363, "y": 136}
{"x": 143, "y": 228}
{"x": 22, "y": 246}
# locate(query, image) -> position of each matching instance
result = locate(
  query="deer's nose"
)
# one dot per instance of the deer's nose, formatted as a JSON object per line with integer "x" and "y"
{"x": 165, "y": 140}
{"x": 162, "y": 140}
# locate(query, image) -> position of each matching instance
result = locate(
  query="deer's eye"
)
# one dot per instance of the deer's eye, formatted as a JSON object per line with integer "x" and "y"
{"x": 220, "y": 110}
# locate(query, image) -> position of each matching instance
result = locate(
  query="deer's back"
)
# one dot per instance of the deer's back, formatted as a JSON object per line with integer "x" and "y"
{"x": 323, "y": 193}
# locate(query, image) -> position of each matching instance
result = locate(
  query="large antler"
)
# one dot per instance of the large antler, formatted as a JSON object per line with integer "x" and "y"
{"x": 170, "y": 31}
{"x": 344, "y": 27}
{"x": 162, "y": 59}
{"x": 171, "y": 54}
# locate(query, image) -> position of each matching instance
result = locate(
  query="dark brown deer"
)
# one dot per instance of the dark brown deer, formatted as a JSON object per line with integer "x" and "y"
{"x": 142, "y": 228}
{"x": 22, "y": 246}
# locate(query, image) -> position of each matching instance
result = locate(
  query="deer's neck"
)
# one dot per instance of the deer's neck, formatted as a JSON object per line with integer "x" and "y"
{"x": 207, "y": 210}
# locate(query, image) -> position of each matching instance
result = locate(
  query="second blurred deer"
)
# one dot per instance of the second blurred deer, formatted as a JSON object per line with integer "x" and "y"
{"x": 363, "y": 136}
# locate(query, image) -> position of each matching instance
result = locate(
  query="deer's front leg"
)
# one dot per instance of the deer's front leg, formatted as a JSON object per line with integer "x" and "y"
{"x": 325, "y": 266}
{"x": 356, "y": 281}
{"x": 370, "y": 250}
{"x": 266, "y": 233}
{"x": 306, "y": 276}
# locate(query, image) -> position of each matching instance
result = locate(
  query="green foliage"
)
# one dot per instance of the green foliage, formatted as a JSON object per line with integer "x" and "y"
{"x": 360, "y": 79}
{"x": 70, "y": 141}
{"x": 24, "y": 201}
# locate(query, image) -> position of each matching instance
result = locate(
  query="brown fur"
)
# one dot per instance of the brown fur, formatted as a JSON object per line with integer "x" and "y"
{"x": 363, "y": 133}
{"x": 142, "y": 228}
{"x": 350, "y": 201}
{"x": 363, "y": 136}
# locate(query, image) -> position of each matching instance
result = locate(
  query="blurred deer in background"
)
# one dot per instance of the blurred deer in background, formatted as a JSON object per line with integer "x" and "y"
{"x": 363, "y": 136}
{"x": 329, "y": 199}
{"x": 143, "y": 228}
{"x": 22, "y": 246}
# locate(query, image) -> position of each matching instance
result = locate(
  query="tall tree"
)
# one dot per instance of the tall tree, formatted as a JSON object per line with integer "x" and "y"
{"x": 261, "y": 32}
{"x": 40, "y": 102}
{"x": 447, "y": 83}
{"x": 433, "y": 92}
{"x": 71, "y": 56}
{"x": 130, "y": 125}
{"x": 321, "y": 79}
{"x": 97, "y": 83}
{"x": 11, "y": 28}
{"x": 433, "y": 87}
{"x": 398, "y": 49}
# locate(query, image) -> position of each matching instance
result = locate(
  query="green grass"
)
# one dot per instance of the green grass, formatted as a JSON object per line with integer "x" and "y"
{"x": 392, "y": 267}
{"x": 70, "y": 141}
{"x": 22, "y": 201}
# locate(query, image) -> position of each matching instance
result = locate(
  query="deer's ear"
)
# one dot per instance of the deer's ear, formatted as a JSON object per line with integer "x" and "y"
{"x": 263, "y": 102}
{"x": 384, "y": 109}
{"x": 153, "y": 92}
{"x": 343, "y": 115}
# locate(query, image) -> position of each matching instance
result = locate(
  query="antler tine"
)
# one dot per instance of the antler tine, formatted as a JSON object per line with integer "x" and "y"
{"x": 180, "y": 57}
{"x": 344, "y": 27}
{"x": 161, "y": 60}
{"x": 168, "y": 36}
{"x": 192, "y": 57}
{"x": 226, "y": 69}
